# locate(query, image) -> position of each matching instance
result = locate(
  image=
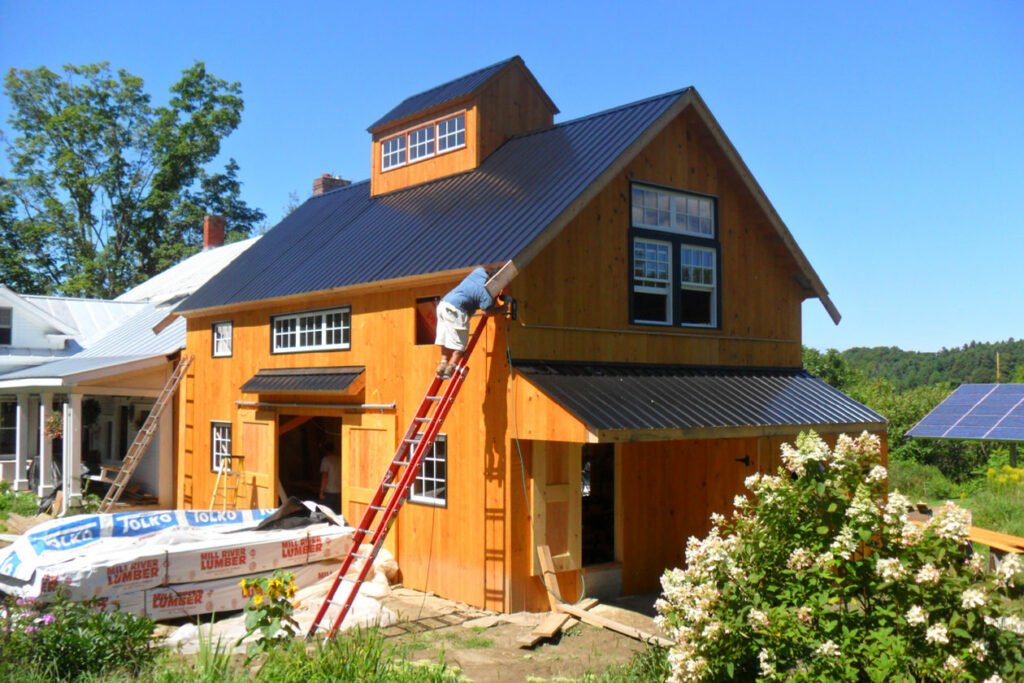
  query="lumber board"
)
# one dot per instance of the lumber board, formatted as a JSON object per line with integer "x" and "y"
{"x": 551, "y": 625}
{"x": 547, "y": 567}
{"x": 612, "y": 625}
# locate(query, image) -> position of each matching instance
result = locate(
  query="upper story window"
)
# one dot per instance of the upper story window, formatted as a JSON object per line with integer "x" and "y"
{"x": 422, "y": 142}
{"x": 5, "y": 326}
{"x": 222, "y": 334}
{"x": 674, "y": 258}
{"x": 311, "y": 330}
{"x": 392, "y": 152}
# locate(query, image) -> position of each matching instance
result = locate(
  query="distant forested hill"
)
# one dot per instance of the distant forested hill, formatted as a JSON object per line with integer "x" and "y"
{"x": 973, "y": 363}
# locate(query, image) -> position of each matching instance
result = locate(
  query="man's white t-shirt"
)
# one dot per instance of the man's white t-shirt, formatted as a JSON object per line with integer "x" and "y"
{"x": 331, "y": 464}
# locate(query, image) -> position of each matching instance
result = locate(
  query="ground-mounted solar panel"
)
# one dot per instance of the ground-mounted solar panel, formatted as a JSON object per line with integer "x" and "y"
{"x": 977, "y": 411}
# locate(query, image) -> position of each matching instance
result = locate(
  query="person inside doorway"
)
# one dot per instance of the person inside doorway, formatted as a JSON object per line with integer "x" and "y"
{"x": 330, "y": 477}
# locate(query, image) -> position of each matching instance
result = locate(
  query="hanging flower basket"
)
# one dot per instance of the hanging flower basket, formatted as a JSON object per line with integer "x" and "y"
{"x": 54, "y": 426}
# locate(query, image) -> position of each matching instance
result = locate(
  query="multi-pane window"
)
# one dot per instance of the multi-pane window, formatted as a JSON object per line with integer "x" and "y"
{"x": 220, "y": 445}
{"x": 652, "y": 281}
{"x": 222, "y": 333}
{"x": 5, "y": 326}
{"x": 451, "y": 133}
{"x": 422, "y": 142}
{"x": 312, "y": 330}
{"x": 392, "y": 152}
{"x": 674, "y": 258}
{"x": 8, "y": 427}
{"x": 431, "y": 486}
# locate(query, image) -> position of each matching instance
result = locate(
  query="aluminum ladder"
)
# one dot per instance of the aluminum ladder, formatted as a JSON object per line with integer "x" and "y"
{"x": 394, "y": 487}
{"x": 145, "y": 435}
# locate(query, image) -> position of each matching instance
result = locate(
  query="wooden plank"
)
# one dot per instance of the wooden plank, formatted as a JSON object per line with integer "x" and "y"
{"x": 603, "y": 622}
{"x": 293, "y": 423}
{"x": 551, "y": 625}
{"x": 548, "y": 576}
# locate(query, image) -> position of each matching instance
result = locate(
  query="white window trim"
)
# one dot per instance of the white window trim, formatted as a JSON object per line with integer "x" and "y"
{"x": 407, "y": 143}
{"x": 345, "y": 311}
{"x": 674, "y": 195}
{"x": 215, "y": 455}
{"x": 402, "y": 152}
{"x": 643, "y": 289}
{"x": 219, "y": 338}
{"x": 437, "y": 482}
{"x": 701, "y": 287}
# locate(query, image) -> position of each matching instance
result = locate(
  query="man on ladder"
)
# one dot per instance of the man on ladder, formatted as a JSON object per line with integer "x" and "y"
{"x": 453, "y": 313}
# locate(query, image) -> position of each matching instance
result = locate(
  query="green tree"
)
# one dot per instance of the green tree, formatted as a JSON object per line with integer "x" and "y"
{"x": 830, "y": 367}
{"x": 106, "y": 188}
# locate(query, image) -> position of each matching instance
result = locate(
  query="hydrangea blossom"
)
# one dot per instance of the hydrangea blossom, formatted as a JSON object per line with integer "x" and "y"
{"x": 916, "y": 616}
{"x": 937, "y": 633}
{"x": 929, "y": 574}
{"x": 972, "y": 597}
{"x": 828, "y": 649}
{"x": 890, "y": 569}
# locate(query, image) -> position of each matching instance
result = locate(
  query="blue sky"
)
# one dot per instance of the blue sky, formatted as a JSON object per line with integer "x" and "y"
{"x": 889, "y": 136}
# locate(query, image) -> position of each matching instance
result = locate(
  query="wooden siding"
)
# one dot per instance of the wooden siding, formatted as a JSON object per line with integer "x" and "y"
{"x": 510, "y": 103}
{"x": 581, "y": 279}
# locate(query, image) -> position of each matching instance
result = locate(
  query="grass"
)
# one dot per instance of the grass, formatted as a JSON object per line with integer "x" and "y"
{"x": 23, "y": 503}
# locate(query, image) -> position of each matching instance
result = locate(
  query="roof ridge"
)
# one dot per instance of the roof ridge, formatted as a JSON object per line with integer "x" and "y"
{"x": 351, "y": 184}
{"x": 603, "y": 112}
{"x": 501, "y": 62}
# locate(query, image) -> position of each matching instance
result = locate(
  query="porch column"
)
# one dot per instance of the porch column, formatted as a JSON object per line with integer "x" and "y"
{"x": 21, "y": 442}
{"x": 45, "y": 468}
{"x": 72, "y": 469}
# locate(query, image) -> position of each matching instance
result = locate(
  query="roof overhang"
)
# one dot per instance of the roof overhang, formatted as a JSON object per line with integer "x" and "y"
{"x": 81, "y": 370}
{"x": 638, "y": 402}
{"x": 28, "y": 308}
{"x": 334, "y": 380}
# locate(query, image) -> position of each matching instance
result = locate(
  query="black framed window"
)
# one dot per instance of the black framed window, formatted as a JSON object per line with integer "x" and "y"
{"x": 674, "y": 258}
{"x": 6, "y": 315}
{"x": 223, "y": 332}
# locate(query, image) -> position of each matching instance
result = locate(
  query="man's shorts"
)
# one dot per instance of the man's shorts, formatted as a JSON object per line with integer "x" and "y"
{"x": 452, "y": 327}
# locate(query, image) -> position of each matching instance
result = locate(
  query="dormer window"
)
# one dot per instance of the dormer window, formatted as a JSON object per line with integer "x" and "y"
{"x": 423, "y": 142}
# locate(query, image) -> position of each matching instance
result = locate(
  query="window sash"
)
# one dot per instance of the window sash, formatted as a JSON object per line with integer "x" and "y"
{"x": 8, "y": 427}
{"x": 424, "y": 141}
{"x": 652, "y": 274}
{"x": 431, "y": 484}
{"x": 222, "y": 339}
{"x": 312, "y": 331}
{"x": 6, "y": 314}
{"x": 220, "y": 443}
{"x": 679, "y": 212}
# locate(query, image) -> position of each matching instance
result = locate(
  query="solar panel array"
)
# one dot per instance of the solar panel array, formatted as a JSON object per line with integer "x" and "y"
{"x": 977, "y": 411}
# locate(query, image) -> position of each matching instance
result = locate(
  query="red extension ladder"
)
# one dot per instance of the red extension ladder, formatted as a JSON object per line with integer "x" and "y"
{"x": 394, "y": 487}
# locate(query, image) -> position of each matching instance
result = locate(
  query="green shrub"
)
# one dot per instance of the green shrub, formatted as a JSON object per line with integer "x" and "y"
{"x": 22, "y": 503}
{"x": 921, "y": 483}
{"x": 821, "y": 577}
{"x": 67, "y": 641}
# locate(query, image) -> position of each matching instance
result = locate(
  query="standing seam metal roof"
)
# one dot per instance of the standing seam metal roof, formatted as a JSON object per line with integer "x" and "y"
{"x": 613, "y": 396}
{"x": 487, "y": 215}
{"x": 458, "y": 87}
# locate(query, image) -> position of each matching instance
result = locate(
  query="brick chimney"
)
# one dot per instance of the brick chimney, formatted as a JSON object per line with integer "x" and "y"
{"x": 213, "y": 232}
{"x": 328, "y": 182}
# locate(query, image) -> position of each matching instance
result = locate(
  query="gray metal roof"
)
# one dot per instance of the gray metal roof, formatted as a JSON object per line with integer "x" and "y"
{"x": 463, "y": 85}
{"x": 608, "y": 396}
{"x": 303, "y": 379}
{"x": 131, "y": 341}
{"x": 487, "y": 215}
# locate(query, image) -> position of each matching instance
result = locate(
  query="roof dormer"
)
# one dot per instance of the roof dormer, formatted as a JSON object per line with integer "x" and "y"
{"x": 452, "y": 128}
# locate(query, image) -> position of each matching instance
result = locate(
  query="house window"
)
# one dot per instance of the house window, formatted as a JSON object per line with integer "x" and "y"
{"x": 422, "y": 142}
{"x": 674, "y": 258}
{"x": 312, "y": 331}
{"x": 392, "y": 152}
{"x": 652, "y": 281}
{"x": 451, "y": 133}
{"x": 220, "y": 444}
{"x": 5, "y": 326}
{"x": 8, "y": 426}
{"x": 431, "y": 486}
{"x": 222, "y": 333}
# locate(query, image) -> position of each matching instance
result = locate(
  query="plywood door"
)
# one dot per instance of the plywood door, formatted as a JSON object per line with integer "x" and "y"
{"x": 557, "y": 515}
{"x": 367, "y": 445}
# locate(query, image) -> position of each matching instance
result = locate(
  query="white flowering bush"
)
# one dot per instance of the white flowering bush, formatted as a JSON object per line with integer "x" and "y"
{"x": 820, "y": 576}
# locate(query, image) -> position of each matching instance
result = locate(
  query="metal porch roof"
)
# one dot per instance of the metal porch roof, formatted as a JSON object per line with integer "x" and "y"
{"x": 291, "y": 380}
{"x": 607, "y": 396}
{"x": 458, "y": 87}
{"x": 487, "y": 215}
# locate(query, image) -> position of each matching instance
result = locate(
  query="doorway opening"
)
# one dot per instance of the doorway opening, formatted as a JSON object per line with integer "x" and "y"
{"x": 597, "y": 483}
{"x": 303, "y": 442}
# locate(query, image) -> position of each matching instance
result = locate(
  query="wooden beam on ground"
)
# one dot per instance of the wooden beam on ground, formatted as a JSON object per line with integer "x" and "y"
{"x": 549, "y": 576}
{"x": 547, "y": 629}
{"x": 293, "y": 423}
{"x": 602, "y": 622}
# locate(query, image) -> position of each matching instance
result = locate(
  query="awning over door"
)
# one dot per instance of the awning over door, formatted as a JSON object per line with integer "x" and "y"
{"x": 306, "y": 380}
{"x": 633, "y": 401}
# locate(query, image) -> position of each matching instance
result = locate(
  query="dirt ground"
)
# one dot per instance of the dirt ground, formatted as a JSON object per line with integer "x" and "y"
{"x": 485, "y": 646}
